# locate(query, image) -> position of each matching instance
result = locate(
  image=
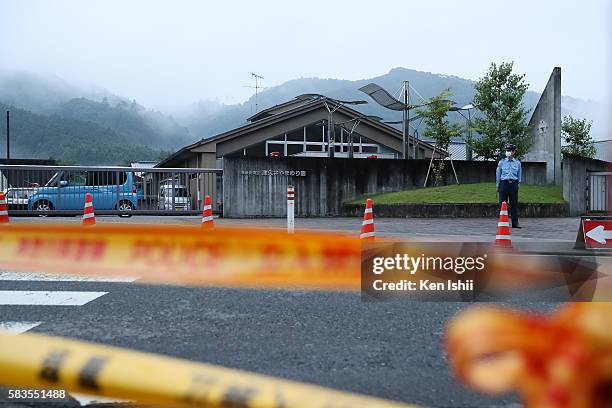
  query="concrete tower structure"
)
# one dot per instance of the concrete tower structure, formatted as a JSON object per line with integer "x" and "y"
{"x": 545, "y": 129}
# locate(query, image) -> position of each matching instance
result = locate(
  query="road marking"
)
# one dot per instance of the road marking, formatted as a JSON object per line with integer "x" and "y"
{"x": 85, "y": 399}
{"x": 18, "y": 327}
{"x": 33, "y": 276}
{"x": 46, "y": 298}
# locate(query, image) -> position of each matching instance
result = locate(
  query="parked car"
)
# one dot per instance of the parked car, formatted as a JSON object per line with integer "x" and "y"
{"x": 179, "y": 193}
{"x": 66, "y": 190}
{"x": 17, "y": 197}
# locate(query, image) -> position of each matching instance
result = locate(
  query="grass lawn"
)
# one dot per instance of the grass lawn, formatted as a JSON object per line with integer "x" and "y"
{"x": 477, "y": 193}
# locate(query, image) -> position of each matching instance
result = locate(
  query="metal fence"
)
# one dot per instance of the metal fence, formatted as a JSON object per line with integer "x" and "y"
{"x": 599, "y": 192}
{"x": 61, "y": 190}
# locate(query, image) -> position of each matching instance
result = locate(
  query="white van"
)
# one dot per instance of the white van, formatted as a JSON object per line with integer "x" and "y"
{"x": 178, "y": 192}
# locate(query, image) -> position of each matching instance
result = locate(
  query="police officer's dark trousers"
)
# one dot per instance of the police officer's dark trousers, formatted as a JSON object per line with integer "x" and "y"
{"x": 508, "y": 191}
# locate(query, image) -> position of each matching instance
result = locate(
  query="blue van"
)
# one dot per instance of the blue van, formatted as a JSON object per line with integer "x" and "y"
{"x": 110, "y": 190}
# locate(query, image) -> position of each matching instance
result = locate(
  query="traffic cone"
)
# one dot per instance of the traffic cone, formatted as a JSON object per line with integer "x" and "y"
{"x": 367, "y": 226}
{"x": 89, "y": 218}
{"x": 502, "y": 239}
{"x": 3, "y": 209}
{"x": 207, "y": 217}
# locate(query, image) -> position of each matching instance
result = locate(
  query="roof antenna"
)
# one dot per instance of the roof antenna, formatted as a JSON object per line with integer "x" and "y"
{"x": 257, "y": 88}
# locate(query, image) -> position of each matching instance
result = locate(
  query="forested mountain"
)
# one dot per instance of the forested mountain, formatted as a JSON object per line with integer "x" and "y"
{"x": 55, "y": 98}
{"x": 207, "y": 118}
{"x": 128, "y": 119}
{"x": 54, "y": 118}
{"x": 69, "y": 140}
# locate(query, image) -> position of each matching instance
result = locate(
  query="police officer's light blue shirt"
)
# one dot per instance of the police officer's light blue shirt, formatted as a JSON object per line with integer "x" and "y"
{"x": 508, "y": 169}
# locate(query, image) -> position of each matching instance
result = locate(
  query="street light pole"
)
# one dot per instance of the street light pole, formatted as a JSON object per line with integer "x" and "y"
{"x": 8, "y": 136}
{"x": 468, "y": 150}
{"x": 405, "y": 121}
{"x": 330, "y": 133}
{"x": 469, "y": 144}
{"x": 330, "y": 118}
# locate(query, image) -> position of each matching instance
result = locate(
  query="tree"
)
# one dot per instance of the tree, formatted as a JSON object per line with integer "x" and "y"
{"x": 438, "y": 127}
{"x": 499, "y": 95}
{"x": 577, "y": 135}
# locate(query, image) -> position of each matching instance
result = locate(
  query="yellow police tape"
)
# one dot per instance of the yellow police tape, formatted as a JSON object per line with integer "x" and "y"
{"x": 186, "y": 255}
{"x": 247, "y": 257}
{"x": 40, "y": 361}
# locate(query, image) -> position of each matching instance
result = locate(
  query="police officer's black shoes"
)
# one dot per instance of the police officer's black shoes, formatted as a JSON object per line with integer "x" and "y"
{"x": 517, "y": 226}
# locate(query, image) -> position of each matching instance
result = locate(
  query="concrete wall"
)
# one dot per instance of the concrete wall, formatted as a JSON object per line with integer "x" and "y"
{"x": 249, "y": 190}
{"x": 545, "y": 129}
{"x": 454, "y": 210}
{"x": 575, "y": 181}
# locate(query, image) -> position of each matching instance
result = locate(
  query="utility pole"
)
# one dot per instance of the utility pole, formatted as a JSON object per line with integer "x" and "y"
{"x": 469, "y": 153}
{"x": 331, "y": 134}
{"x": 405, "y": 122}
{"x": 8, "y": 137}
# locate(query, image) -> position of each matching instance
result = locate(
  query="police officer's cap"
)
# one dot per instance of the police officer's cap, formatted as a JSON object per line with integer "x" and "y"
{"x": 510, "y": 148}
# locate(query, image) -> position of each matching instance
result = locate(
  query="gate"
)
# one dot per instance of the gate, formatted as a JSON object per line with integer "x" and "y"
{"x": 599, "y": 192}
{"x": 61, "y": 190}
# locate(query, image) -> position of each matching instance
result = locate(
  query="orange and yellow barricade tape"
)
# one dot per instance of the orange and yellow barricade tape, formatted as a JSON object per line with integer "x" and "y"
{"x": 39, "y": 361}
{"x": 185, "y": 255}
{"x": 559, "y": 361}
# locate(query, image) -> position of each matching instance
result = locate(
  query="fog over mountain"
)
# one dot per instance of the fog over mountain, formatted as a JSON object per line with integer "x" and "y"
{"x": 209, "y": 117}
{"x": 126, "y": 122}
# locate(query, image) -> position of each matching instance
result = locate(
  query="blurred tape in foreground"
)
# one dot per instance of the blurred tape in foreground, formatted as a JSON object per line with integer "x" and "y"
{"x": 563, "y": 360}
{"x": 185, "y": 255}
{"x": 39, "y": 361}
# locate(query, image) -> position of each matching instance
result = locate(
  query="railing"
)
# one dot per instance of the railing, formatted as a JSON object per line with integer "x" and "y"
{"x": 61, "y": 190}
{"x": 599, "y": 191}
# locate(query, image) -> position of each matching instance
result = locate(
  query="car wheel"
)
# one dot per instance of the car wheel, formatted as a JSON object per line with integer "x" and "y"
{"x": 43, "y": 205}
{"x": 126, "y": 208}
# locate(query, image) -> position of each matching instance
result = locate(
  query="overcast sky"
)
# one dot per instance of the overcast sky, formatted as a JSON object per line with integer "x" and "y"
{"x": 175, "y": 52}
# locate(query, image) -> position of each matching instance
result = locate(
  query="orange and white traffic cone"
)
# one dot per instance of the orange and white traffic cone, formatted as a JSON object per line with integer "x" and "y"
{"x": 89, "y": 218}
{"x": 367, "y": 226}
{"x": 207, "y": 216}
{"x": 3, "y": 209}
{"x": 502, "y": 239}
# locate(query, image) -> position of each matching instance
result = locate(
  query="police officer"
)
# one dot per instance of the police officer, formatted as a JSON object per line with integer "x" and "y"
{"x": 508, "y": 177}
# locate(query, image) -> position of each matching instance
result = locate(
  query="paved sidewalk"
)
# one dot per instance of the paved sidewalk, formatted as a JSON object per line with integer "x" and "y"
{"x": 462, "y": 229}
{"x": 472, "y": 229}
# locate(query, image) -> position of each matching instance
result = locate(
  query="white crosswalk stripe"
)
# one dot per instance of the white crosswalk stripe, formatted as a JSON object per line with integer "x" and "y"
{"x": 18, "y": 327}
{"x": 49, "y": 277}
{"x": 46, "y": 298}
{"x": 51, "y": 298}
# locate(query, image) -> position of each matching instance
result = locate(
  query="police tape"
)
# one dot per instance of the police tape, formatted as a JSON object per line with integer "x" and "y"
{"x": 560, "y": 360}
{"x": 40, "y": 361}
{"x": 258, "y": 258}
{"x": 244, "y": 257}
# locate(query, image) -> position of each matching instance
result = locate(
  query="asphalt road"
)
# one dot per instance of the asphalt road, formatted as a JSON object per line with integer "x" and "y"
{"x": 387, "y": 349}
{"x": 391, "y": 349}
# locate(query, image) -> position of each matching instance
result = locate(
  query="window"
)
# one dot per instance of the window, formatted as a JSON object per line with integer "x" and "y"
{"x": 178, "y": 192}
{"x": 105, "y": 178}
{"x": 75, "y": 179}
{"x": 181, "y": 192}
{"x": 296, "y": 135}
{"x": 294, "y": 149}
